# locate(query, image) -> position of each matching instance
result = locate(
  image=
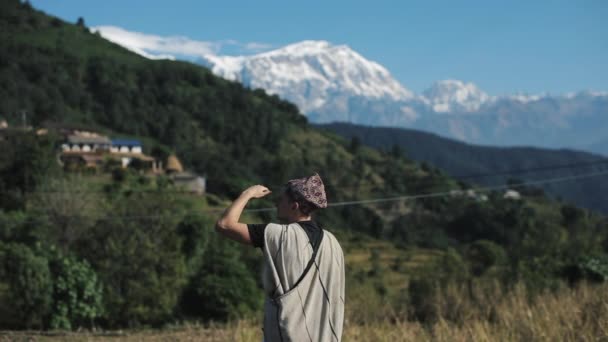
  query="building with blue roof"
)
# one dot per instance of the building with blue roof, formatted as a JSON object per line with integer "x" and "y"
{"x": 126, "y": 146}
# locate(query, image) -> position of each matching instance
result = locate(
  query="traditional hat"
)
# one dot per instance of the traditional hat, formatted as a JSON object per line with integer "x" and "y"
{"x": 311, "y": 189}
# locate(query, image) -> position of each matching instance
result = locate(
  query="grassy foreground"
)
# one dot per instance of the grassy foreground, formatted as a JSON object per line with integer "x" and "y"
{"x": 579, "y": 314}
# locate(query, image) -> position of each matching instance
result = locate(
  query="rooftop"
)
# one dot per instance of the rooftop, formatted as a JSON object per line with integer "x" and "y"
{"x": 89, "y": 139}
{"x": 125, "y": 142}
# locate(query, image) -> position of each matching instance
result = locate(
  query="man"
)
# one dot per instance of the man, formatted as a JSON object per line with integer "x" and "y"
{"x": 303, "y": 263}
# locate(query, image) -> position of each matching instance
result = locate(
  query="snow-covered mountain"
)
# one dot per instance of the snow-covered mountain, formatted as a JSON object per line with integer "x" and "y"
{"x": 455, "y": 96}
{"x": 576, "y": 122}
{"x": 332, "y": 83}
{"x": 312, "y": 74}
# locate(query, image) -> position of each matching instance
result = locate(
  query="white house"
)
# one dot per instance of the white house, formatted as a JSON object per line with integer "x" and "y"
{"x": 512, "y": 194}
{"x": 191, "y": 182}
{"x": 126, "y": 146}
{"x": 86, "y": 143}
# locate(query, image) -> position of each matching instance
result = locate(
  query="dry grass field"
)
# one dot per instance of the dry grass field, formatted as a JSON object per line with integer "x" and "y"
{"x": 579, "y": 314}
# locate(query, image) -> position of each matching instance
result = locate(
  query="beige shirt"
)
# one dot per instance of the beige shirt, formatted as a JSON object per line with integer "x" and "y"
{"x": 313, "y": 309}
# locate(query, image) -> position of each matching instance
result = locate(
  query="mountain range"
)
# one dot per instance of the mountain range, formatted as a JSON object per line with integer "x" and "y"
{"x": 333, "y": 83}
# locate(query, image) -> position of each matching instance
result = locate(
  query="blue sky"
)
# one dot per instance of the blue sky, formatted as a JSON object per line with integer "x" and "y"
{"x": 503, "y": 47}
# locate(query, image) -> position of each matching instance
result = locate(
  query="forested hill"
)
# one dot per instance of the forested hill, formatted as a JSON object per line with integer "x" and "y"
{"x": 486, "y": 165}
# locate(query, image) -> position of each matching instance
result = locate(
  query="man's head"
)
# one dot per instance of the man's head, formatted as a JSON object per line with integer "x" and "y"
{"x": 300, "y": 197}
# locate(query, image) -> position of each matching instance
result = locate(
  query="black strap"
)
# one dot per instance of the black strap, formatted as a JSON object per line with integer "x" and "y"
{"x": 312, "y": 260}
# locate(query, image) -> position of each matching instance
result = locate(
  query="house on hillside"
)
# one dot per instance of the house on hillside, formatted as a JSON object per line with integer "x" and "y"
{"x": 84, "y": 150}
{"x": 91, "y": 150}
{"x": 130, "y": 153}
{"x": 86, "y": 142}
{"x": 126, "y": 146}
{"x": 67, "y": 129}
{"x": 189, "y": 181}
{"x": 469, "y": 193}
{"x": 512, "y": 194}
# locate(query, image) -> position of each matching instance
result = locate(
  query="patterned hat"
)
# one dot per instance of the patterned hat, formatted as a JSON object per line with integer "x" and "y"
{"x": 311, "y": 189}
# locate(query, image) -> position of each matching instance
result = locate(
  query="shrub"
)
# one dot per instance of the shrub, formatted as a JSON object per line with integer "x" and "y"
{"x": 223, "y": 288}
{"x": 30, "y": 285}
{"x": 77, "y": 293}
{"x": 425, "y": 289}
{"x": 138, "y": 258}
{"x": 484, "y": 254}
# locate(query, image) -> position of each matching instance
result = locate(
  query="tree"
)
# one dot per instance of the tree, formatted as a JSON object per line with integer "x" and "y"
{"x": 397, "y": 151}
{"x": 195, "y": 233}
{"x": 223, "y": 287}
{"x": 425, "y": 288}
{"x": 483, "y": 254}
{"x": 355, "y": 144}
{"x": 25, "y": 160}
{"x": 137, "y": 253}
{"x": 29, "y": 285}
{"x": 71, "y": 205}
{"x": 77, "y": 293}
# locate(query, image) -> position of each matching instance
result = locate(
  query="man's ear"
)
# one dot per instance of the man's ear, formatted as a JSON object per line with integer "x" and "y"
{"x": 295, "y": 206}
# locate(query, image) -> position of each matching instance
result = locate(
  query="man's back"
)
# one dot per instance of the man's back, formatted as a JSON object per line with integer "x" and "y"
{"x": 305, "y": 302}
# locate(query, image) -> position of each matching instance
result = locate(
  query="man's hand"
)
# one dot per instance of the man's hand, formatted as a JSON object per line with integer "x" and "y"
{"x": 257, "y": 191}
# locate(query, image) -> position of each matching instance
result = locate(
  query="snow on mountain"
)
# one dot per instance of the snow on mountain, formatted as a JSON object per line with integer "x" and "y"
{"x": 524, "y": 98}
{"x": 586, "y": 94}
{"x": 312, "y": 74}
{"x": 455, "y": 96}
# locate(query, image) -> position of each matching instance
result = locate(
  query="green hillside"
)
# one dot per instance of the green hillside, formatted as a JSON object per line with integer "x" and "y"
{"x": 120, "y": 249}
{"x": 485, "y": 165}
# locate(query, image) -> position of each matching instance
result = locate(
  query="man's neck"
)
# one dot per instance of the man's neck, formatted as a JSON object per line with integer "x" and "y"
{"x": 298, "y": 219}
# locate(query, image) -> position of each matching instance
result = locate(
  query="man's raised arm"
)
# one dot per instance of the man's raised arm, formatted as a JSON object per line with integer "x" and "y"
{"x": 229, "y": 225}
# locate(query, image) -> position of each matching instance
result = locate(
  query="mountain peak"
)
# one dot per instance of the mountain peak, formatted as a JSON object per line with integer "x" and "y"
{"x": 312, "y": 73}
{"x": 454, "y": 95}
{"x": 305, "y": 47}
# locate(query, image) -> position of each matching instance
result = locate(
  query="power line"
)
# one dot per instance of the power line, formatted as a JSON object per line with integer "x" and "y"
{"x": 380, "y": 200}
{"x": 483, "y": 189}
{"x": 603, "y": 161}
